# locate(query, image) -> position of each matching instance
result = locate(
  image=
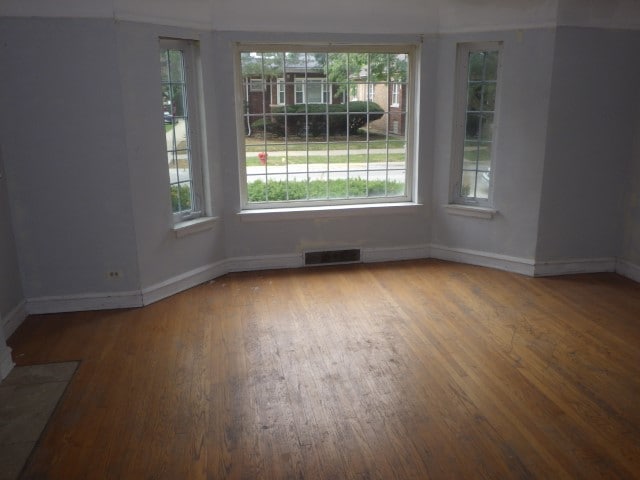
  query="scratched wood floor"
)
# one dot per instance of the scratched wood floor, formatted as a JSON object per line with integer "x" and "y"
{"x": 410, "y": 370}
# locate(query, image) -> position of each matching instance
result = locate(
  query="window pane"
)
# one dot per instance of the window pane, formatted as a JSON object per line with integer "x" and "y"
{"x": 491, "y": 67}
{"x": 476, "y": 66}
{"x": 489, "y": 97}
{"x": 475, "y": 175}
{"x": 378, "y": 67}
{"x": 398, "y": 70}
{"x": 468, "y": 188}
{"x": 473, "y": 126}
{"x": 273, "y": 65}
{"x": 474, "y": 100}
{"x": 486, "y": 127}
{"x": 314, "y": 92}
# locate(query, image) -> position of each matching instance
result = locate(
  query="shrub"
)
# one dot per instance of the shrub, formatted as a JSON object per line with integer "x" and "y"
{"x": 313, "y": 117}
{"x": 259, "y": 126}
{"x": 183, "y": 193}
{"x": 275, "y": 191}
{"x": 358, "y": 121}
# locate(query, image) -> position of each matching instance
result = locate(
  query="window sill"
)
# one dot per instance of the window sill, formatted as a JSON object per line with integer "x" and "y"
{"x": 470, "y": 211}
{"x": 275, "y": 214}
{"x": 189, "y": 227}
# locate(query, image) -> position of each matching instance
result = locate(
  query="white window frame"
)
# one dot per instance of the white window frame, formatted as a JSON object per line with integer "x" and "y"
{"x": 190, "y": 50}
{"x": 411, "y": 92}
{"x": 281, "y": 92}
{"x": 256, "y": 85}
{"x": 395, "y": 94}
{"x": 301, "y": 85}
{"x": 459, "y": 123}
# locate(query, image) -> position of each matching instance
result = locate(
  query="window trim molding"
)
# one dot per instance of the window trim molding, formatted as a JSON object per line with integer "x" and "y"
{"x": 328, "y": 211}
{"x": 463, "y": 49}
{"x": 193, "y": 83}
{"x": 412, "y": 95}
{"x": 196, "y": 225}
{"x": 470, "y": 211}
{"x": 281, "y": 87}
{"x": 395, "y": 95}
{"x": 304, "y": 82}
{"x": 261, "y": 85}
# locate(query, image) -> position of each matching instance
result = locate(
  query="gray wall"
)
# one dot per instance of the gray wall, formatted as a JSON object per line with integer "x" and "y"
{"x": 589, "y": 143}
{"x": 10, "y": 278}
{"x": 631, "y": 212}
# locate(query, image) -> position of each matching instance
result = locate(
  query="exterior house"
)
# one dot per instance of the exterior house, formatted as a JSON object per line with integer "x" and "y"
{"x": 392, "y": 97}
{"x": 301, "y": 80}
{"x": 305, "y": 81}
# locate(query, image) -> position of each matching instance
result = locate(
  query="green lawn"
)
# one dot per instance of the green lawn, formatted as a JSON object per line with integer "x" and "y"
{"x": 321, "y": 189}
{"x": 253, "y": 160}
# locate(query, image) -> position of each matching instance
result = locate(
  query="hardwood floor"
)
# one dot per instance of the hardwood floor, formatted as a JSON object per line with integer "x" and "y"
{"x": 411, "y": 370}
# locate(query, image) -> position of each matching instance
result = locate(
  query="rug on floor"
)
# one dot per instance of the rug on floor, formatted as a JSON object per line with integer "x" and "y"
{"x": 28, "y": 398}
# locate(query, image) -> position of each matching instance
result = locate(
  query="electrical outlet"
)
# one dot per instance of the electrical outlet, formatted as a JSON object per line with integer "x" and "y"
{"x": 114, "y": 274}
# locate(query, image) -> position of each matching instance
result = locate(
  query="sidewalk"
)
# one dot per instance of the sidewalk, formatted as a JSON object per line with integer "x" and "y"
{"x": 323, "y": 153}
{"x": 316, "y": 171}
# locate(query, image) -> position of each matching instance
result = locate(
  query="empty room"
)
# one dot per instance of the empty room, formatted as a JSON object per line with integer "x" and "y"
{"x": 319, "y": 240}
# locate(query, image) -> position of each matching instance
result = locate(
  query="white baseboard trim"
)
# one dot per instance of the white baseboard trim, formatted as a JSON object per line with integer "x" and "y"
{"x": 265, "y": 262}
{"x": 574, "y": 265}
{"x": 6, "y": 361}
{"x": 391, "y": 254}
{"x": 84, "y": 302}
{"x": 203, "y": 274}
{"x": 14, "y": 319}
{"x": 628, "y": 269}
{"x": 507, "y": 263}
{"x": 182, "y": 282}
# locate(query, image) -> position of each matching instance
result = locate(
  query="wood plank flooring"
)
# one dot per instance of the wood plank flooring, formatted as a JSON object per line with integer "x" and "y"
{"x": 409, "y": 370}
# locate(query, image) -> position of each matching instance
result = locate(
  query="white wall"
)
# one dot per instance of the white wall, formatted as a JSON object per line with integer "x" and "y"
{"x": 589, "y": 140}
{"x": 379, "y": 229}
{"x": 631, "y": 212}
{"x": 63, "y": 140}
{"x": 519, "y": 149}
{"x": 6, "y": 362}
{"x": 488, "y": 15}
{"x": 336, "y": 16}
{"x": 624, "y": 14}
{"x": 10, "y": 278}
{"x": 160, "y": 254}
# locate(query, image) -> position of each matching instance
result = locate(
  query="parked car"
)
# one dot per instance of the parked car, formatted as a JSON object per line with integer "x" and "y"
{"x": 168, "y": 118}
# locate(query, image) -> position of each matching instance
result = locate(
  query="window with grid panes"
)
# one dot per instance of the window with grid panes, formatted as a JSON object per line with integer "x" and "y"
{"x": 177, "y": 74}
{"x": 321, "y": 140}
{"x": 474, "y": 134}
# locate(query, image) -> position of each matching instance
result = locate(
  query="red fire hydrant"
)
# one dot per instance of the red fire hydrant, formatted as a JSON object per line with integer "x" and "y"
{"x": 263, "y": 157}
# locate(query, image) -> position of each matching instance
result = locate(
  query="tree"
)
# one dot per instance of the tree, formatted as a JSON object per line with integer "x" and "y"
{"x": 348, "y": 69}
{"x": 341, "y": 68}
